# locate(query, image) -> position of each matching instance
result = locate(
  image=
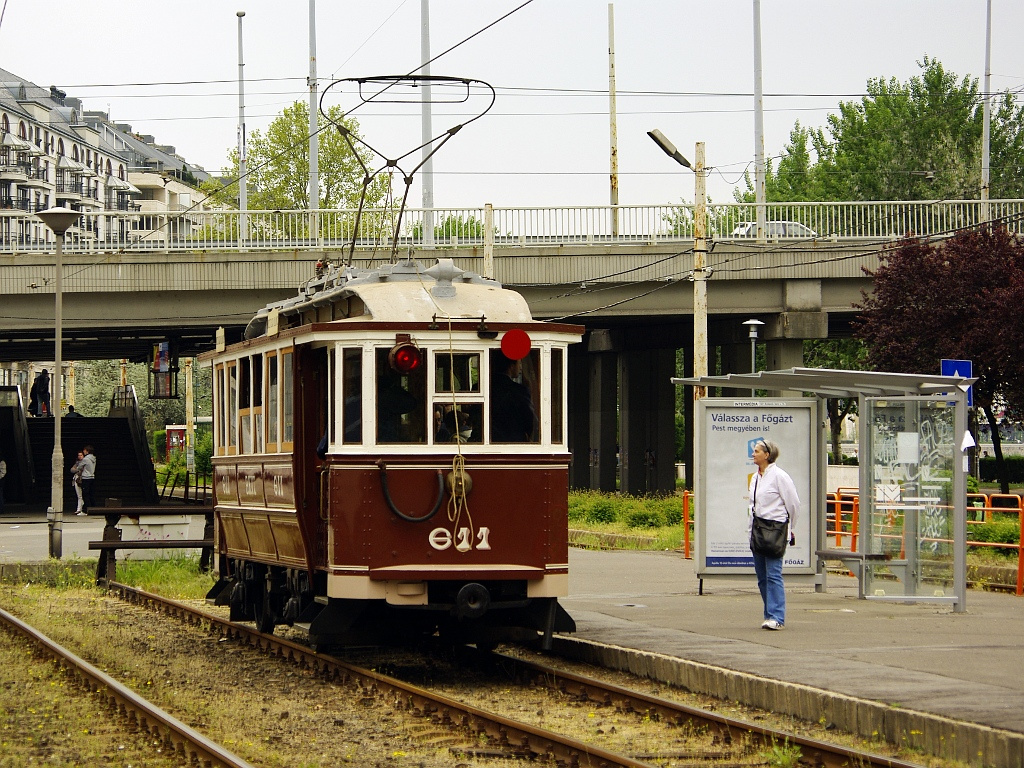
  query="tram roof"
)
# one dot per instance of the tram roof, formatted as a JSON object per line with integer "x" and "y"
{"x": 403, "y": 293}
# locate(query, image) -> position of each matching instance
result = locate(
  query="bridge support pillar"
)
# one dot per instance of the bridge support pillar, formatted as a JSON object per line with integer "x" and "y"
{"x": 647, "y": 431}
{"x": 736, "y": 359}
{"x": 579, "y": 417}
{"x": 603, "y": 384}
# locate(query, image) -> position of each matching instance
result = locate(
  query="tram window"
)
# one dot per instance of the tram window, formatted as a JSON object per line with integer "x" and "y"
{"x": 244, "y": 405}
{"x": 352, "y": 392}
{"x": 456, "y": 372}
{"x": 513, "y": 393}
{"x": 401, "y": 403}
{"x": 557, "y": 385}
{"x": 259, "y": 439}
{"x": 272, "y": 406}
{"x": 287, "y": 406}
{"x": 460, "y": 423}
{"x": 231, "y": 407}
{"x": 218, "y": 378}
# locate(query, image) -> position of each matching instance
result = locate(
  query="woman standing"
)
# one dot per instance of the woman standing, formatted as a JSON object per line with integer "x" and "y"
{"x": 88, "y": 475}
{"x": 773, "y": 496}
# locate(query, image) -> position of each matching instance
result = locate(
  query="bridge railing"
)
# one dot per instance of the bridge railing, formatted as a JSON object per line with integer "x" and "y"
{"x": 195, "y": 230}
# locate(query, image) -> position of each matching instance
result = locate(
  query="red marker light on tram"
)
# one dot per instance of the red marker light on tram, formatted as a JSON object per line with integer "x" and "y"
{"x": 404, "y": 357}
{"x": 515, "y": 344}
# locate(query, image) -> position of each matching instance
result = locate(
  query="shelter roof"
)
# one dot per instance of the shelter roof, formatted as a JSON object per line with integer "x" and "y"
{"x": 830, "y": 382}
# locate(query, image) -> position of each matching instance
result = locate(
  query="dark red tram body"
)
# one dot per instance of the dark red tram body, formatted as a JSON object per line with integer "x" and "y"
{"x": 423, "y": 512}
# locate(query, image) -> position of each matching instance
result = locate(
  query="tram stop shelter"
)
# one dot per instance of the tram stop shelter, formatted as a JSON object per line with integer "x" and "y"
{"x": 906, "y": 538}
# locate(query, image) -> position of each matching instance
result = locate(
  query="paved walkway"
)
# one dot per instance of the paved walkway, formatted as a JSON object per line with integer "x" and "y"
{"x": 952, "y": 683}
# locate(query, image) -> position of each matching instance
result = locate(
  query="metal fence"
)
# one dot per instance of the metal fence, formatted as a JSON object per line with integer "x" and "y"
{"x": 195, "y": 230}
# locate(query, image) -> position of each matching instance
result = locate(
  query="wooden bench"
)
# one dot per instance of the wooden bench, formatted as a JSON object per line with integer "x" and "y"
{"x": 111, "y": 541}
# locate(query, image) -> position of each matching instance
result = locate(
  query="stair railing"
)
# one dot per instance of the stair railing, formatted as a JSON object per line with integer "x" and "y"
{"x": 125, "y": 404}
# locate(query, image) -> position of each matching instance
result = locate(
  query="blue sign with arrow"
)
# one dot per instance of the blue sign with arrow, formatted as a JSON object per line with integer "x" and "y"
{"x": 962, "y": 368}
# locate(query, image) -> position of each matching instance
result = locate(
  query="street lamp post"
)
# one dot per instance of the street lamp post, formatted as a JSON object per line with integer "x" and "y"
{"x": 58, "y": 220}
{"x": 700, "y": 252}
{"x": 753, "y": 325}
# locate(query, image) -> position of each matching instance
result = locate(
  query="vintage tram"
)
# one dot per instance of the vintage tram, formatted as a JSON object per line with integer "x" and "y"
{"x": 391, "y": 460}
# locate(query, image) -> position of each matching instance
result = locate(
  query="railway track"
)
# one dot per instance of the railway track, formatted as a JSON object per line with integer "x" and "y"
{"x": 733, "y": 739}
{"x": 190, "y": 745}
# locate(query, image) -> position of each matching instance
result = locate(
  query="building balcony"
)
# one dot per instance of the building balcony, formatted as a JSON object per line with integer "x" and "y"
{"x": 14, "y": 171}
{"x": 69, "y": 190}
{"x": 17, "y": 205}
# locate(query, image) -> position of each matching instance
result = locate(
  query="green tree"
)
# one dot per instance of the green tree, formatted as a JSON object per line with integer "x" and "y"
{"x": 917, "y": 140}
{"x": 885, "y": 146}
{"x": 959, "y": 299}
{"x": 462, "y": 227}
{"x": 842, "y": 354}
{"x": 96, "y": 380}
{"x": 795, "y": 179}
{"x": 278, "y": 165}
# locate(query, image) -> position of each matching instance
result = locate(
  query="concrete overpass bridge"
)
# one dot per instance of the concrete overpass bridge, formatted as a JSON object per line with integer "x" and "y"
{"x": 623, "y": 272}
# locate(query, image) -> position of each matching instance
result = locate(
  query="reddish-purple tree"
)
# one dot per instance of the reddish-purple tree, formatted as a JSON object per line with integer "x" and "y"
{"x": 954, "y": 300}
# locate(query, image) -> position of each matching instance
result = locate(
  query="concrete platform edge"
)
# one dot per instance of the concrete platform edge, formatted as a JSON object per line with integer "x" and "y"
{"x": 943, "y": 737}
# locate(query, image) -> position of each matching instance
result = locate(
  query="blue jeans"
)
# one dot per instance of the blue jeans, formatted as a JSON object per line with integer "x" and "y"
{"x": 773, "y": 591}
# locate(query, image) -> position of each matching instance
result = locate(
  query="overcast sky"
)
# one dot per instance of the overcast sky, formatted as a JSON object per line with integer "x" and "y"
{"x": 683, "y": 66}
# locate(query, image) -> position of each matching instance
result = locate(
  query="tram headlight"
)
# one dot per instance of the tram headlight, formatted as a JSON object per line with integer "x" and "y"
{"x": 405, "y": 357}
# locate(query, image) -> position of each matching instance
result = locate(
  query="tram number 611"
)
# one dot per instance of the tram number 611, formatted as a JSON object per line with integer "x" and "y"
{"x": 441, "y": 538}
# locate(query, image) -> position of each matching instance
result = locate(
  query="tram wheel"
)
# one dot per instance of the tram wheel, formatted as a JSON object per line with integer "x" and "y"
{"x": 263, "y": 612}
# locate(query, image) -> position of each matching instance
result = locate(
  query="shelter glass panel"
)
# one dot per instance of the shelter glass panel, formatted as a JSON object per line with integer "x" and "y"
{"x": 907, "y": 518}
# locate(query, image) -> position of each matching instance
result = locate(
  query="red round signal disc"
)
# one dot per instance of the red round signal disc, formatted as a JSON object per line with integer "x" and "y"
{"x": 515, "y": 344}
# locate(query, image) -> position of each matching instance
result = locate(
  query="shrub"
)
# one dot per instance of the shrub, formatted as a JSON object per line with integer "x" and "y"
{"x": 159, "y": 444}
{"x": 999, "y": 531}
{"x": 640, "y": 515}
{"x": 1014, "y": 469}
{"x": 204, "y": 452}
{"x": 602, "y": 510}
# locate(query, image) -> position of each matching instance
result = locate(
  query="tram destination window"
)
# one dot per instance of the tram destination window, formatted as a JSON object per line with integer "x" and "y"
{"x": 457, "y": 372}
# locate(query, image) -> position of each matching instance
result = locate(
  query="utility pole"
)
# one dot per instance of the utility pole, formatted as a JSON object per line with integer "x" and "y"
{"x": 700, "y": 272}
{"x": 759, "y": 165}
{"x": 426, "y": 129}
{"x": 243, "y": 195}
{"x": 986, "y": 117}
{"x": 614, "y": 174}
{"x": 314, "y": 133}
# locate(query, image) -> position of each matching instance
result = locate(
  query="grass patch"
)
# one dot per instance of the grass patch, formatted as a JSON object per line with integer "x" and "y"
{"x": 178, "y": 577}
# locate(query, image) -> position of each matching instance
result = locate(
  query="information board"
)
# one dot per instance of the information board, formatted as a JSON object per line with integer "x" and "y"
{"x": 727, "y": 430}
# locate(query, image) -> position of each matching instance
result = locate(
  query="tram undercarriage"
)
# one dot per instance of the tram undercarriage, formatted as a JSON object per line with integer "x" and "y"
{"x": 480, "y": 612}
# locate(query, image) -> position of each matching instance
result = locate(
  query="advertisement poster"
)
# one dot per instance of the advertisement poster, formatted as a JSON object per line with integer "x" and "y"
{"x": 727, "y": 431}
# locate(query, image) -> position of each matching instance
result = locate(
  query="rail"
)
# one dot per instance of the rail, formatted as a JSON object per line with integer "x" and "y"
{"x": 488, "y": 226}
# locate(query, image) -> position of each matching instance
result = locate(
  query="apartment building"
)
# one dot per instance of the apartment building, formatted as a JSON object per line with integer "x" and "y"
{"x": 52, "y": 153}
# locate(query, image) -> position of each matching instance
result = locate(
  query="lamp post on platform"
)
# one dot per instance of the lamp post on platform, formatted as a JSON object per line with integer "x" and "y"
{"x": 753, "y": 326}
{"x": 700, "y": 251}
{"x": 58, "y": 220}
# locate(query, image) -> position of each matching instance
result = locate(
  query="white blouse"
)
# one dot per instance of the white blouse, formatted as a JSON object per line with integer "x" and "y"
{"x": 773, "y": 495}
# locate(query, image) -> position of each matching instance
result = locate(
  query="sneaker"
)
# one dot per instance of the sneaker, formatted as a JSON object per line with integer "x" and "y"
{"x": 764, "y": 624}
{"x": 80, "y": 514}
{"x": 772, "y": 624}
